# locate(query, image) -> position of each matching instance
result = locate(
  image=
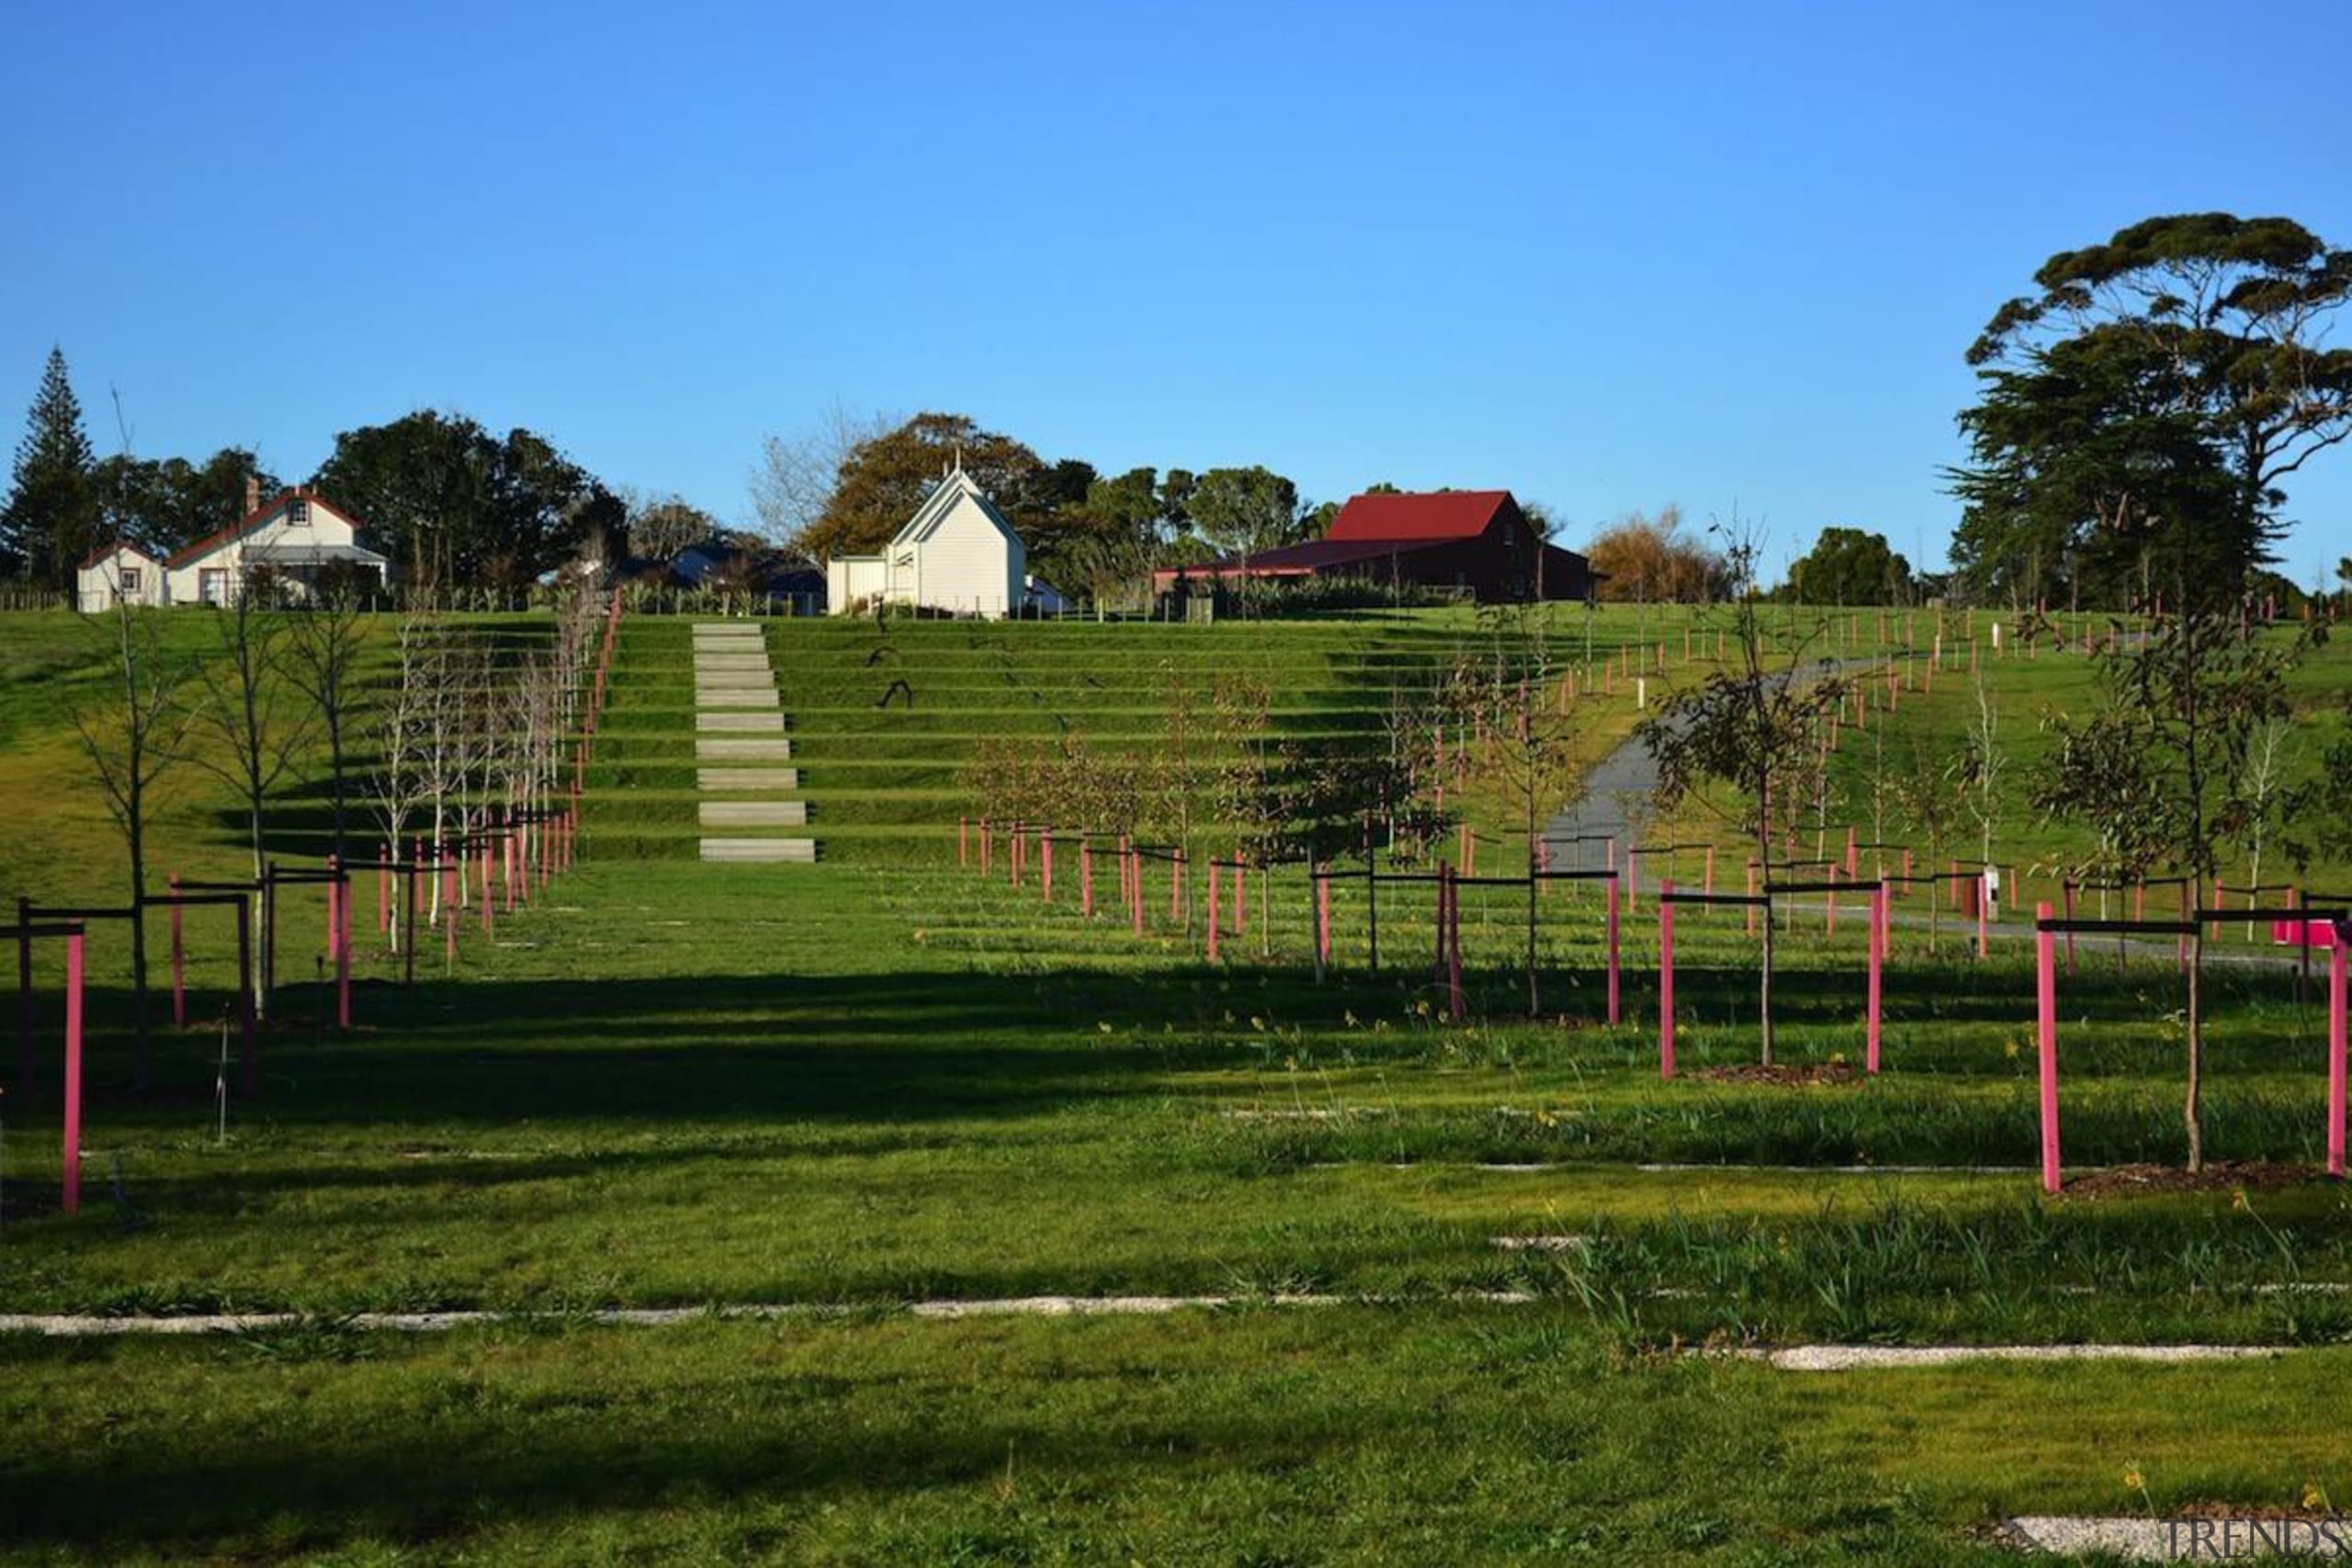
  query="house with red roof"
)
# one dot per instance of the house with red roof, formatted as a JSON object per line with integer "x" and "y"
{"x": 1475, "y": 544}
{"x": 120, "y": 573}
{"x": 295, "y": 542}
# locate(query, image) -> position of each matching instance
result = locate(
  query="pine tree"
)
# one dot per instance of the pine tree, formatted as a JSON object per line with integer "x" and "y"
{"x": 51, "y": 518}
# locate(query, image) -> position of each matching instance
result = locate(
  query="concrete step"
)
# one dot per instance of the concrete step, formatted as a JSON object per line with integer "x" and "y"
{"x": 737, "y": 697}
{"x": 754, "y": 813}
{"x": 715, "y": 779}
{"x": 748, "y": 723}
{"x": 734, "y": 670}
{"x": 798, "y": 852}
{"x": 742, "y": 751}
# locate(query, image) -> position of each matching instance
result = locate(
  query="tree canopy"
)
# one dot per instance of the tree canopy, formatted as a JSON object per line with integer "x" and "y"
{"x": 1651, "y": 561}
{"x": 52, "y": 519}
{"x": 1848, "y": 566}
{"x": 2140, "y": 414}
{"x": 166, "y": 503}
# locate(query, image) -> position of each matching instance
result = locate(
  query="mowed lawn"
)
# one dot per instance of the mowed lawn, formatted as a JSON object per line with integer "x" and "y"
{"x": 674, "y": 1085}
{"x": 849, "y": 1088}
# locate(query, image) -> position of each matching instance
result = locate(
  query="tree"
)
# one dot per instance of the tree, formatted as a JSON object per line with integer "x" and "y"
{"x": 51, "y": 521}
{"x": 1848, "y": 566}
{"x": 1755, "y": 728}
{"x": 321, "y": 654}
{"x": 131, "y": 737}
{"x": 2165, "y": 770}
{"x": 2164, "y": 383}
{"x": 1531, "y": 741}
{"x": 665, "y": 528}
{"x": 885, "y": 478}
{"x": 1244, "y": 512}
{"x": 460, "y": 506}
{"x": 798, "y": 473}
{"x": 249, "y": 710}
{"x": 1650, "y": 560}
{"x": 164, "y": 504}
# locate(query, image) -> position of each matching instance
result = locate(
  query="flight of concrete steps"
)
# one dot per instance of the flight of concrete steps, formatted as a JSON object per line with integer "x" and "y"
{"x": 741, "y": 747}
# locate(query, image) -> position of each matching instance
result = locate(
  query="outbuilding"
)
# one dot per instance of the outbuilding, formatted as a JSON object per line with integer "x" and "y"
{"x": 121, "y": 573}
{"x": 1477, "y": 544}
{"x": 956, "y": 554}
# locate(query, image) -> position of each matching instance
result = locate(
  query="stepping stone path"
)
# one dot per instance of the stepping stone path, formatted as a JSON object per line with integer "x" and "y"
{"x": 739, "y": 721}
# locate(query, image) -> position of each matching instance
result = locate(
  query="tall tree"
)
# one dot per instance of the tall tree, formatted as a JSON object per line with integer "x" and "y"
{"x": 166, "y": 503}
{"x": 254, "y": 713}
{"x": 1650, "y": 560}
{"x": 885, "y": 478}
{"x": 2164, "y": 384}
{"x": 1848, "y": 566}
{"x": 51, "y": 521}
{"x": 1244, "y": 510}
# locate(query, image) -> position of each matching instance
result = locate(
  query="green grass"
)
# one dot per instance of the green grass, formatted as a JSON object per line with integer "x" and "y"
{"x": 885, "y": 1081}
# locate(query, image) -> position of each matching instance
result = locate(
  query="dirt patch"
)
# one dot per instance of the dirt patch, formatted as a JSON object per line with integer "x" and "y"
{"x": 1785, "y": 1075}
{"x": 2225, "y": 1175}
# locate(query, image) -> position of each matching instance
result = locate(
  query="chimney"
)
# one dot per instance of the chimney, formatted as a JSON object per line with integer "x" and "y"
{"x": 252, "y": 494}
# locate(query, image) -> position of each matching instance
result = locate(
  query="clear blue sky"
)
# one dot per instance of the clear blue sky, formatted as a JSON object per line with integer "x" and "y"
{"x": 1723, "y": 255}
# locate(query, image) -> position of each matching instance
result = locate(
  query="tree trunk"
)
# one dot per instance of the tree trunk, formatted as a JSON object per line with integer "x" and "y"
{"x": 139, "y": 1052}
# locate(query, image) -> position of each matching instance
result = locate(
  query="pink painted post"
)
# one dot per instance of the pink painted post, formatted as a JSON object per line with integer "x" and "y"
{"x": 2336, "y": 1050}
{"x": 1665, "y": 979}
{"x": 1045, "y": 864}
{"x": 1610, "y": 887}
{"x": 1853, "y": 854}
{"x": 180, "y": 963}
{"x": 1176, "y": 885}
{"x": 335, "y": 918}
{"x": 2045, "y": 950}
{"x": 73, "y": 1153}
{"x": 1085, "y": 877}
{"x": 963, "y": 841}
{"x": 1829, "y": 905}
{"x": 1323, "y": 918}
{"x": 1632, "y": 876}
{"x": 1013, "y": 855}
{"x": 1708, "y": 887}
{"x": 489, "y": 893}
{"x": 987, "y": 843}
{"x": 1213, "y": 903}
{"x": 1878, "y": 965}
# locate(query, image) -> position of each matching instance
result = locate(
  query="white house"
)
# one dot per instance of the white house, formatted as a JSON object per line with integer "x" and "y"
{"x": 121, "y": 573}
{"x": 956, "y": 554}
{"x": 293, "y": 540}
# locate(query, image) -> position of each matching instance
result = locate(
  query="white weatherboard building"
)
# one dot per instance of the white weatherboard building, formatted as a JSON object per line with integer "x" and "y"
{"x": 956, "y": 554}
{"x": 121, "y": 573}
{"x": 292, "y": 539}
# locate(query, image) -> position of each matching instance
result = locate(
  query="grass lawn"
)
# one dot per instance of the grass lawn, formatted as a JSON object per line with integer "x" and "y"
{"x": 884, "y": 1081}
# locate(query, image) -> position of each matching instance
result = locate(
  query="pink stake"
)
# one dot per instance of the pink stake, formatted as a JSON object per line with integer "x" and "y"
{"x": 1213, "y": 903}
{"x": 335, "y": 916}
{"x": 1323, "y": 918}
{"x": 1632, "y": 876}
{"x": 449, "y": 902}
{"x": 179, "y": 966}
{"x": 1610, "y": 888}
{"x": 1829, "y": 905}
{"x": 2045, "y": 950}
{"x": 1708, "y": 886}
{"x": 341, "y": 887}
{"x": 963, "y": 841}
{"x": 1853, "y": 855}
{"x": 987, "y": 838}
{"x": 1176, "y": 886}
{"x": 1665, "y": 979}
{"x": 2336, "y": 1051}
{"x": 1878, "y": 964}
{"x": 73, "y": 1073}
{"x": 1046, "y": 865}
{"x": 1085, "y": 877}
{"x": 1751, "y": 893}
{"x": 1983, "y": 932}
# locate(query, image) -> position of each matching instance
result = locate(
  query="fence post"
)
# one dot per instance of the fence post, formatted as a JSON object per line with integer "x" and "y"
{"x": 1045, "y": 864}
{"x": 73, "y": 1153}
{"x": 1610, "y": 888}
{"x": 341, "y": 886}
{"x": 2046, "y": 1037}
{"x": 248, "y": 1060}
{"x": 1878, "y": 966}
{"x": 1666, "y": 979}
{"x": 2335, "y": 1048}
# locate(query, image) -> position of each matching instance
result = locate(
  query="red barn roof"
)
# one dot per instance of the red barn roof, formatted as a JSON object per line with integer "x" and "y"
{"x": 1446, "y": 514}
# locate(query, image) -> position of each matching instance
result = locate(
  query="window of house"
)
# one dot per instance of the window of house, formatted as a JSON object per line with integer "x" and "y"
{"x": 298, "y": 513}
{"x": 213, "y": 585}
{"x": 130, "y": 579}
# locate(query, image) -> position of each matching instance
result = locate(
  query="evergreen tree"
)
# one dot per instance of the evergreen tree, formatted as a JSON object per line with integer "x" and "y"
{"x": 51, "y": 518}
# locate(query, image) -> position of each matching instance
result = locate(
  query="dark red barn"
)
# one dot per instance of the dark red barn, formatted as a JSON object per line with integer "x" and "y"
{"x": 1476, "y": 543}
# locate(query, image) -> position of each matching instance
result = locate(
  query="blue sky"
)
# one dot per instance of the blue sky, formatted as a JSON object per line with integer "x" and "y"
{"x": 1608, "y": 257}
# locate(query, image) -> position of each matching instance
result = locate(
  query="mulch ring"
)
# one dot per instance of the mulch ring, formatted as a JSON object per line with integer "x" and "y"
{"x": 2222, "y": 1176}
{"x": 1785, "y": 1075}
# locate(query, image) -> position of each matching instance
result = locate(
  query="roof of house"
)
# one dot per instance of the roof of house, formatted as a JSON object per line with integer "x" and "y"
{"x": 1444, "y": 514}
{"x": 111, "y": 546}
{"x": 957, "y": 486}
{"x": 251, "y": 520}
